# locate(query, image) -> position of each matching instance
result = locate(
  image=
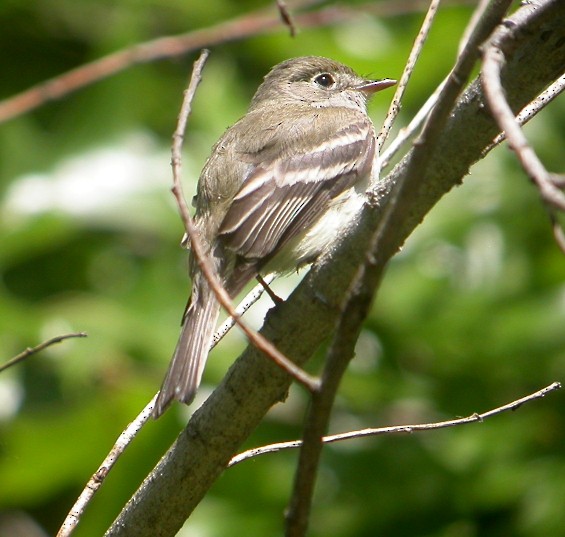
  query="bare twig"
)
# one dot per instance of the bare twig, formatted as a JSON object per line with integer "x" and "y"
{"x": 338, "y": 357}
{"x": 417, "y": 48}
{"x": 558, "y": 233}
{"x": 251, "y": 24}
{"x": 477, "y": 32}
{"x": 532, "y": 109}
{"x": 286, "y": 17}
{"x": 243, "y": 306}
{"x": 476, "y": 16}
{"x": 272, "y": 295}
{"x": 223, "y": 298}
{"x": 34, "y": 350}
{"x": 407, "y": 132}
{"x": 548, "y": 184}
{"x": 129, "y": 434}
{"x": 419, "y": 118}
{"x": 473, "y": 418}
{"x": 493, "y": 62}
{"x": 72, "y": 519}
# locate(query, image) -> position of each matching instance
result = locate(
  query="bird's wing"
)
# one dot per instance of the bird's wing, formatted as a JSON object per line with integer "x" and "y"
{"x": 283, "y": 196}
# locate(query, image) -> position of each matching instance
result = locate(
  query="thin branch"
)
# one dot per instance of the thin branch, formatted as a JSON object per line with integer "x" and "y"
{"x": 340, "y": 353}
{"x": 477, "y": 32}
{"x": 415, "y": 123}
{"x": 34, "y": 350}
{"x": 532, "y": 109}
{"x": 129, "y": 434}
{"x": 364, "y": 283}
{"x": 362, "y": 433}
{"x": 286, "y": 17}
{"x": 417, "y": 47}
{"x": 502, "y": 113}
{"x": 476, "y": 16}
{"x": 149, "y": 51}
{"x": 558, "y": 233}
{"x": 255, "y": 23}
{"x": 419, "y": 118}
{"x": 253, "y": 296}
{"x": 95, "y": 482}
{"x": 547, "y": 183}
{"x": 479, "y": 29}
{"x": 198, "y": 251}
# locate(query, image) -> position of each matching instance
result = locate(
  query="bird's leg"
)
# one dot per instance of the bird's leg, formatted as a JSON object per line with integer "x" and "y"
{"x": 274, "y": 297}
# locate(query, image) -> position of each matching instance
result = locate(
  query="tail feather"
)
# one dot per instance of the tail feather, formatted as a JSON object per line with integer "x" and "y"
{"x": 187, "y": 365}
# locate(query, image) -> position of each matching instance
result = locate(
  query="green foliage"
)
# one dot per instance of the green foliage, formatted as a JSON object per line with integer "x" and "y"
{"x": 469, "y": 317}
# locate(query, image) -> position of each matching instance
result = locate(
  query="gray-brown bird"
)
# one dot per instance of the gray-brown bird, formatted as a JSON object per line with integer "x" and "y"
{"x": 277, "y": 190}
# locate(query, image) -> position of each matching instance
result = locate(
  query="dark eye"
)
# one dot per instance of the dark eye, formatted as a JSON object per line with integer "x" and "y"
{"x": 325, "y": 80}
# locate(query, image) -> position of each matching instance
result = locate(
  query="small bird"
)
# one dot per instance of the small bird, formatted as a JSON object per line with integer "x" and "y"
{"x": 279, "y": 187}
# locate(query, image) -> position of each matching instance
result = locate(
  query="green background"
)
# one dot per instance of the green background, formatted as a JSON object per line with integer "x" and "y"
{"x": 471, "y": 314}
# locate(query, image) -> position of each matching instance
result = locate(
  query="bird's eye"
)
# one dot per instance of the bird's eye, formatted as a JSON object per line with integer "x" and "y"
{"x": 325, "y": 80}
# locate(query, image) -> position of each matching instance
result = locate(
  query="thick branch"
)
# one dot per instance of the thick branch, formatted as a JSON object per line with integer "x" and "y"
{"x": 254, "y": 384}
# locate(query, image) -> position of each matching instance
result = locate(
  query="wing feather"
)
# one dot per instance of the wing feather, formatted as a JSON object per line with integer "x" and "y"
{"x": 284, "y": 196}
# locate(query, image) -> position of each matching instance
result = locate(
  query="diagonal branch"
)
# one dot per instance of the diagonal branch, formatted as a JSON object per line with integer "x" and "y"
{"x": 217, "y": 430}
{"x": 398, "y": 429}
{"x": 130, "y": 432}
{"x": 251, "y": 24}
{"x": 494, "y": 62}
{"x": 38, "y": 348}
{"x": 532, "y": 109}
{"x": 548, "y": 184}
{"x": 417, "y": 48}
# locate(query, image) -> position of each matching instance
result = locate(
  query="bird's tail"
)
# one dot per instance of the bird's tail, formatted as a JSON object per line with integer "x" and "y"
{"x": 185, "y": 371}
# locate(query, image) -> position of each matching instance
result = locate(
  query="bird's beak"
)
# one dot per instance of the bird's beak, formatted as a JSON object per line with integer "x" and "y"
{"x": 372, "y": 86}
